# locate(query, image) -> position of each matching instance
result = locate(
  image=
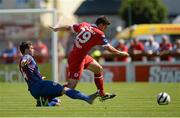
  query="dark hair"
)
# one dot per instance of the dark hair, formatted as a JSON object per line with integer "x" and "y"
{"x": 102, "y": 19}
{"x": 25, "y": 45}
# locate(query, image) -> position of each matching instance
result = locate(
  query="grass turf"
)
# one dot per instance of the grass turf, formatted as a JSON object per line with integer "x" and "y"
{"x": 132, "y": 100}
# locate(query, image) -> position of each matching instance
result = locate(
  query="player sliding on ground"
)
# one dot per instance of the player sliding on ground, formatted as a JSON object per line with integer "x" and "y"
{"x": 87, "y": 36}
{"x": 44, "y": 91}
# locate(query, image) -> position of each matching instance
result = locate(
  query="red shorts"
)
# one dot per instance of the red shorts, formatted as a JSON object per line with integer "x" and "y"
{"x": 75, "y": 67}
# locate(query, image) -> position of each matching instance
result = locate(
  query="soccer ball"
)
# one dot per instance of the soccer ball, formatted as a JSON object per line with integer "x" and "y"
{"x": 163, "y": 98}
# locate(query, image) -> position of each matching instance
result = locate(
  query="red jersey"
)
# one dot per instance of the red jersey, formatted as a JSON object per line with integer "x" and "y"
{"x": 165, "y": 47}
{"x": 43, "y": 50}
{"x": 87, "y": 37}
{"x": 122, "y": 47}
{"x": 138, "y": 47}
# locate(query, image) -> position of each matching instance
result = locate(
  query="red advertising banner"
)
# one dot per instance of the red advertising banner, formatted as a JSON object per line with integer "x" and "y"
{"x": 118, "y": 73}
{"x": 137, "y": 72}
{"x": 157, "y": 73}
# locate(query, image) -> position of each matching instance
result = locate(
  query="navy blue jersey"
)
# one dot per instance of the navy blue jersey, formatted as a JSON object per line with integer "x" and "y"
{"x": 37, "y": 86}
{"x": 29, "y": 70}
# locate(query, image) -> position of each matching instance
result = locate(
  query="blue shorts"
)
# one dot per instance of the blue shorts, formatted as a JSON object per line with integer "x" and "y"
{"x": 47, "y": 89}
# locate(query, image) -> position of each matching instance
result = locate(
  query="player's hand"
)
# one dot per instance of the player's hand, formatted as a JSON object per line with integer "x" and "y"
{"x": 53, "y": 28}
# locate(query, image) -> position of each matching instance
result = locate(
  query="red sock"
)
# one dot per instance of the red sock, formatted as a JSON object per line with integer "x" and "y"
{"x": 98, "y": 79}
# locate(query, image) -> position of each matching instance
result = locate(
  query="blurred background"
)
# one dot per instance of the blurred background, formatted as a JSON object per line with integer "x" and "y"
{"x": 148, "y": 29}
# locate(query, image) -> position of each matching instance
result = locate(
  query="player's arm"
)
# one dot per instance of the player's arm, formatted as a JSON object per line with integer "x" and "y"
{"x": 60, "y": 28}
{"x": 110, "y": 48}
{"x": 115, "y": 51}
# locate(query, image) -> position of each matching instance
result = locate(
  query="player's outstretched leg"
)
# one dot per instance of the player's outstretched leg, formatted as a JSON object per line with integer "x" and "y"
{"x": 92, "y": 97}
{"x": 74, "y": 94}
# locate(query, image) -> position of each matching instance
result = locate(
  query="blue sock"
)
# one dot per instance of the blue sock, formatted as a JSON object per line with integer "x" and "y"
{"x": 74, "y": 94}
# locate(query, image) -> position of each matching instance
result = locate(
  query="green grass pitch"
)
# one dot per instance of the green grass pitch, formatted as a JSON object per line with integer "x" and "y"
{"x": 132, "y": 100}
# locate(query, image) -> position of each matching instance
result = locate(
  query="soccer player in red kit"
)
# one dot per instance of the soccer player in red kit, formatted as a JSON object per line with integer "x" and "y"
{"x": 87, "y": 36}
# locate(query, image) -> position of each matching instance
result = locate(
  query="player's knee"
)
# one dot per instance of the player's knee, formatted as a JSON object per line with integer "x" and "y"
{"x": 72, "y": 86}
{"x": 72, "y": 83}
{"x": 100, "y": 69}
